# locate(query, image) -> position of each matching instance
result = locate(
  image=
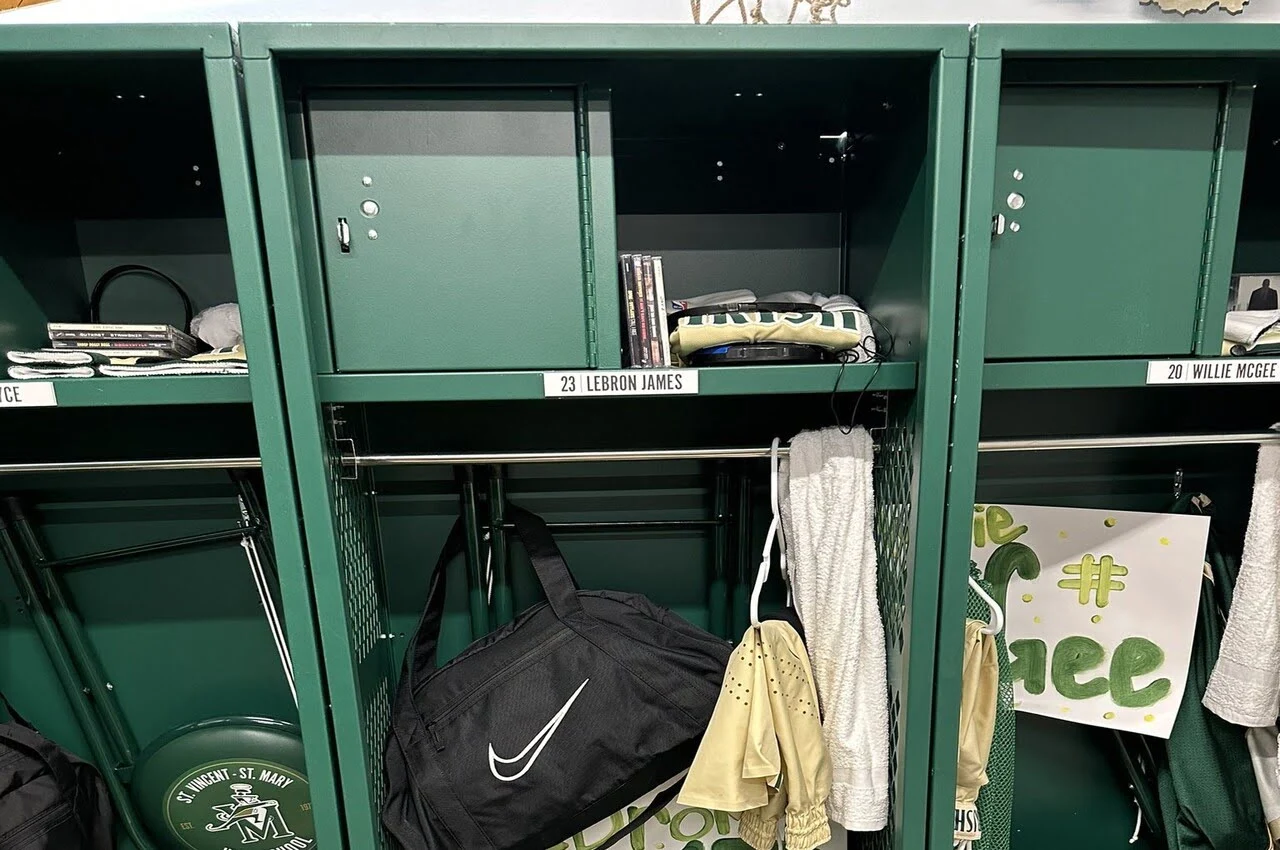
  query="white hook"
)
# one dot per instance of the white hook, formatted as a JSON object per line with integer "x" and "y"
{"x": 997, "y": 616}
{"x": 1137, "y": 827}
{"x": 762, "y": 573}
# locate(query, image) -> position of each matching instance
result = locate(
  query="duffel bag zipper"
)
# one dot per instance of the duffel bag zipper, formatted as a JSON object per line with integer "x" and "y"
{"x": 493, "y": 679}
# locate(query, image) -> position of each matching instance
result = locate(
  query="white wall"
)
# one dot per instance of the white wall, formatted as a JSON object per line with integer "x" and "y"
{"x": 618, "y": 11}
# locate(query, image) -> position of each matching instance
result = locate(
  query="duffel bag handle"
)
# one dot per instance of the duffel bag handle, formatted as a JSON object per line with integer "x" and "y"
{"x": 549, "y": 565}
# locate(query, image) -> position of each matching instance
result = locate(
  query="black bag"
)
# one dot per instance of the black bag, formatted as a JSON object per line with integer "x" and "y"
{"x": 556, "y": 721}
{"x": 49, "y": 799}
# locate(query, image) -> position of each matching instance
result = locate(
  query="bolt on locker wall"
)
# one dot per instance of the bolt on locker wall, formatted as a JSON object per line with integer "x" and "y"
{"x": 1116, "y": 180}
{"x": 144, "y": 586}
{"x": 651, "y": 173}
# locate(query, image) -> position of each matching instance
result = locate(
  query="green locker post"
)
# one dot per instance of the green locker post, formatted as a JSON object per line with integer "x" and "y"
{"x": 1104, "y": 174}
{"x": 140, "y": 74}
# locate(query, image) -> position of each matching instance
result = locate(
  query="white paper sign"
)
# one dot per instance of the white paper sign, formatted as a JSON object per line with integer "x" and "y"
{"x": 1241, "y": 370}
{"x": 1100, "y": 609}
{"x": 28, "y": 394}
{"x": 676, "y": 827}
{"x": 620, "y": 382}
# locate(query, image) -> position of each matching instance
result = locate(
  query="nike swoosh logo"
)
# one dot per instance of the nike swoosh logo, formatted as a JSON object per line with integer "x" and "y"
{"x": 539, "y": 741}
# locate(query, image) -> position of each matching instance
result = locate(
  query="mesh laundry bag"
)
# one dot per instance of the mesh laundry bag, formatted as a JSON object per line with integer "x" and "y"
{"x": 995, "y": 801}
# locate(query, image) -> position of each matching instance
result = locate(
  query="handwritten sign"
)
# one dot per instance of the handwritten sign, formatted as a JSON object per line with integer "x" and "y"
{"x": 620, "y": 383}
{"x": 1239, "y": 370}
{"x": 674, "y": 827}
{"x": 1100, "y": 609}
{"x": 28, "y": 394}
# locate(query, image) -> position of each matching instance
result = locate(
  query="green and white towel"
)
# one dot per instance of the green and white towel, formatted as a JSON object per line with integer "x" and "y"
{"x": 219, "y": 361}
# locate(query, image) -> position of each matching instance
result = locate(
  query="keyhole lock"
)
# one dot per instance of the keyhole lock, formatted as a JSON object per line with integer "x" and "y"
{"x": 1016, "y": 201}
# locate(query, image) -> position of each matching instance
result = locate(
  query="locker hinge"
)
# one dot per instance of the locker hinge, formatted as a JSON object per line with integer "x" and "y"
{"x": 587, "y": 228}
{"x": 1211, "y": 218}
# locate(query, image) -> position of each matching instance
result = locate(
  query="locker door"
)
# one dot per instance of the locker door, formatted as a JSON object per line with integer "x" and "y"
{"x": 1105, "y": 193}
{"x": 451, "y": 228}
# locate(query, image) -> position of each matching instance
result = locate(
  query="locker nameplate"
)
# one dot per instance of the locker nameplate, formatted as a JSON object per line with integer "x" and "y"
{"x": 1237, "y": 370}
{"x": 620, "y": 383}
{"x": 28, "y": 394}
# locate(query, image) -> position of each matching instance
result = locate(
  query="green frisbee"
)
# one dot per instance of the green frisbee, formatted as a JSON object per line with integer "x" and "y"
{"x": 225, "y": 784}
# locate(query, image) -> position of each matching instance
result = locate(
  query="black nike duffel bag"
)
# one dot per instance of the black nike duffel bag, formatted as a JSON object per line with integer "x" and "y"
{"x": 552, "y": 723}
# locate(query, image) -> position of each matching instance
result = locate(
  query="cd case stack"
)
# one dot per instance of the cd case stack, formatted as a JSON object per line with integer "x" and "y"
{"x": 123, "y": 340}
{"x": 644, "y": 297}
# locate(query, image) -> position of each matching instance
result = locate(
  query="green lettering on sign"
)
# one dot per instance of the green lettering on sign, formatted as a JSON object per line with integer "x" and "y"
{"x": 1137, "y": 656}
{"x": 1028, "y": 666}
{"x": 1072, "y": 656}
{"x": 1007, "y": 561}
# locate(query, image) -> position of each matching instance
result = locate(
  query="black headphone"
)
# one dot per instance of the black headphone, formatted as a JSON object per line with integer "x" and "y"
{"x": 100, "y": 288}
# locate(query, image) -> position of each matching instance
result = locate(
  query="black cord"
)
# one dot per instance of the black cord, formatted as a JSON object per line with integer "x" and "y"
{"x": 112, "y": 275}
{"x": 876, "y": 354}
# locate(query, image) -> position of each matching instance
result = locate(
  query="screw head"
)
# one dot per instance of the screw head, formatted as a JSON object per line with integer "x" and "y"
{"x": 373, "y": 234}
{"x": 1015, "y": 201}
{"x": 1017, "y": 175}
{"x": 366, "y": 181}
{"x": 1014, "y": 226}
{"x": 369, "y": 208}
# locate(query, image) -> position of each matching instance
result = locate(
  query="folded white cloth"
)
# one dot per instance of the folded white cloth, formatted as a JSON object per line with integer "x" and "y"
{"x": 36, "y": 373}
{"x": 1247, "y": 326}
{"x": 1244, "y": 687}
{"x": 828, "y": 514}
{"x": 51, "y": 357}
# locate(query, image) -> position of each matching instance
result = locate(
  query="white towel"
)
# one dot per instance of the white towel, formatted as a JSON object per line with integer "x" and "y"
{"x": 1244, "y": 687}
{"x": 828, "y": 515}
{"x": 51, "y": 357}
{"x": 44, "y": 373}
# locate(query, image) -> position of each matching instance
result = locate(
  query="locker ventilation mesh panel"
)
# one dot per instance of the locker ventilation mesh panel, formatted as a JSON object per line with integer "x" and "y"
{"x": 356, "y": 527}
{"x": 893, "y": 488}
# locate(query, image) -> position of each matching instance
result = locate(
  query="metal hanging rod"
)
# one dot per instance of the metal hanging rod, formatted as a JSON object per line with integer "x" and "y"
{"x": 557, "y": 457}
{"x": 133, "y": 465}
{"x": 1053, "y": 444}
{"x": 1036, "y": 444}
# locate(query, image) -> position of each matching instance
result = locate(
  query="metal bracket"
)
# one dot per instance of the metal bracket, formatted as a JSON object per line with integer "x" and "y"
{"x": 879, "y": 404}
{"x": 344, "y": 447}
{"x": 998, "y": 223}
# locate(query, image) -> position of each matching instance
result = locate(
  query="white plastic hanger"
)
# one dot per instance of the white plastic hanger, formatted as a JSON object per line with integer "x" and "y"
{"x": 774, "y": 535}
{"x": 996, "y": 625}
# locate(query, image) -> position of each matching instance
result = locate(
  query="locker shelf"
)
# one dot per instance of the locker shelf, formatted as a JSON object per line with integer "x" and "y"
{"x": 1073, "y": 374}
{"x": 156, "y": 390}
{"x": 485, "y": 386}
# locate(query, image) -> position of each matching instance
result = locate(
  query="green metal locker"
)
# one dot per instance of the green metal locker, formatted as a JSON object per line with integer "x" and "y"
{"x": 1149, "y": 147}
{"x": 127, "y": 144}
{"x": 704, "y": 143}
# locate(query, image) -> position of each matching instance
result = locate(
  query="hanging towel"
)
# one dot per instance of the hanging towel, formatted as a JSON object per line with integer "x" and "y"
{"x": 220, "y": 361}
{"x": 828, "y": 514}
{"x": 1208, "y": 794}
{"x": 763, "y": 753}
{"x": 1245, "y": 686}
{"x": 979, "y": 686}
{"x": 39, "y": 373}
